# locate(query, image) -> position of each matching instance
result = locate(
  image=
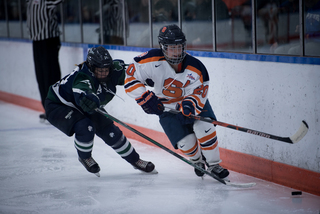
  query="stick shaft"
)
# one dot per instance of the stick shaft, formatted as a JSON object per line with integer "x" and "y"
{"x": 238, "y": 128}
{"x": 242, "y": 129}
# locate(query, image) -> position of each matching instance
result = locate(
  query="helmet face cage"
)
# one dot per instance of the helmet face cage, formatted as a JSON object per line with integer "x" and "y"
{"x": 172, "y": 42}
{"x": 101, "y": 74}
{"x": 174, "y": 53}
{"x": 99, "y": 58}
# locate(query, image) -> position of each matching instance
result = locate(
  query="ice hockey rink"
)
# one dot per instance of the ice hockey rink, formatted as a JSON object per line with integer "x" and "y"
{"x": 40, "y": 173}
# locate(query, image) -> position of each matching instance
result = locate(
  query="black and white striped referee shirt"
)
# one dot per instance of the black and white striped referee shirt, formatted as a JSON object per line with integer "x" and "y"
{"x": 41, "y": 19}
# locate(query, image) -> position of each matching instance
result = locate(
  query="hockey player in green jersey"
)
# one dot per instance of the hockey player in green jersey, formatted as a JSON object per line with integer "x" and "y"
{"x": 71, "y": 103}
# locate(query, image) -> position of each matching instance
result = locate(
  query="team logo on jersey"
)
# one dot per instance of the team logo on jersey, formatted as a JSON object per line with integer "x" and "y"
{"x": 111, "y": 134}
{"x": 190, "y": 76}
{"x": 68, "y": 116}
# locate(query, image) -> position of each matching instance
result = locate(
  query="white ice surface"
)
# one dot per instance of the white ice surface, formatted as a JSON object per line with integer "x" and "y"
{"x": 40, "y": 173}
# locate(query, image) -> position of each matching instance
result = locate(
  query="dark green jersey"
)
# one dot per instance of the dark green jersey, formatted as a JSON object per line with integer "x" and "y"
{"x": 70, "y": 89}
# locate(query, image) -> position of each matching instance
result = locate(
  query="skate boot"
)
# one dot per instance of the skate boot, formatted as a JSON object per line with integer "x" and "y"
{"x": 201, "y": 162}
{"x": 144, "y": 166}
{"x": 43, "y": 119}
{"x": 218, "y": 171}
{"x": 91, "y": 165}
{"x": 202, "y": 165}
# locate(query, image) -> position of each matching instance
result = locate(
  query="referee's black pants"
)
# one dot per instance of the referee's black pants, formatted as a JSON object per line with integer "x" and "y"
{"x": 46, "y": 61}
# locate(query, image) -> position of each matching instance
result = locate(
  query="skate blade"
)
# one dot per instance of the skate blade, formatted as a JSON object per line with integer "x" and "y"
{"x": 44, "y": 121}
{"x": 97, "y": 174}
{"x": 154, "y": 171}
{"x": 226, "y": 179}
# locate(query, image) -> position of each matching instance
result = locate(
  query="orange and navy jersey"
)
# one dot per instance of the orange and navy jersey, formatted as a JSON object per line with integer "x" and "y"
{"x": 152, "y": 69}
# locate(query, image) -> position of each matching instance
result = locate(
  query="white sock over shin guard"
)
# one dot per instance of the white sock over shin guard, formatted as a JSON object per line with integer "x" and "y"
{"x": 189, "y": 146}
{"x": 207, "y": 137}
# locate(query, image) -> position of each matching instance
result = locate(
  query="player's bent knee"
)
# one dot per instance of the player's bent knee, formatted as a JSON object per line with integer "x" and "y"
{"x": 202, "y": 129}
{"x": 110, "y": 135}
{"x": 84, "y": 130}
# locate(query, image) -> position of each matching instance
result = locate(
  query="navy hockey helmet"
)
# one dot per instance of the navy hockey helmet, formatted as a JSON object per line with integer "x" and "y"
{"x": 172, "y": 42}
{"x": 98, "y": 59}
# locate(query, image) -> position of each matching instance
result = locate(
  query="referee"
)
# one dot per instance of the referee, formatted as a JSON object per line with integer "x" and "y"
{"x": 44, "y": 32}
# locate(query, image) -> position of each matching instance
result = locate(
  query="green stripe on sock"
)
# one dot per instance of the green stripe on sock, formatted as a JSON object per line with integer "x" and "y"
{"x": 126, "y": 150}
{"x": 83, "y": 147}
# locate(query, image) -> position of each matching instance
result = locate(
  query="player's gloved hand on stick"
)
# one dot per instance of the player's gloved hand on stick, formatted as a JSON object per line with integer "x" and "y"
{"x": 150, "y": 103}
{"x": 186, "y": 108}
{"x": 89, "y": 103}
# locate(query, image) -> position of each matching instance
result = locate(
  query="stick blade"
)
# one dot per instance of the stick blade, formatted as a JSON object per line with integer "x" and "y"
{"x": 303, "y": 130}
{"x": 240, "y": 185}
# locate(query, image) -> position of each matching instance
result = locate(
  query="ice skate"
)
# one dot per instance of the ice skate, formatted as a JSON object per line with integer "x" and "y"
{"x": 200, "y": 162}
{"x": 145, "y": 166}
{"x": 219, "y": 171}
{"x": 91, "y": 165}
{"x": 202, "y": 165}
{"x": 43, "y": 119}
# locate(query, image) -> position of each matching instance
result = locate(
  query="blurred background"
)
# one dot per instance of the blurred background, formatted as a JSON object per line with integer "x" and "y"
{"x": 276, "y": 27}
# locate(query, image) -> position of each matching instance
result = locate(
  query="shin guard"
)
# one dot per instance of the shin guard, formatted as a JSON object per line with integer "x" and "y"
{"x": 189, "y": 146}
{"x": 207, "y": 137}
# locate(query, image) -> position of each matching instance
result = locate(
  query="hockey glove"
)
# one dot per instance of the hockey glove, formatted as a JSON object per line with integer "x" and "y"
{"x": 150, "y": 103}
{"x": 89, "y": 103}
{"x": 186, "y": 108}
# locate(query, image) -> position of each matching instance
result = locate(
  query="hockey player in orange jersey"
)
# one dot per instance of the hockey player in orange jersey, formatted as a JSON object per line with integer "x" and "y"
{"x": 179, "y": 81}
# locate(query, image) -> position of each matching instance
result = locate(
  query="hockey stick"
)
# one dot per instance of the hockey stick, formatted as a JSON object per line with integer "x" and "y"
{"x": 242, "y": 185}
{"x": 302, "y": 131}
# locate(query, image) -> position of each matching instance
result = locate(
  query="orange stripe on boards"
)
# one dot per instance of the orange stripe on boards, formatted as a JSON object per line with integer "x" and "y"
{"x": 21, "y": 101}
{"x": 283, "y": 174}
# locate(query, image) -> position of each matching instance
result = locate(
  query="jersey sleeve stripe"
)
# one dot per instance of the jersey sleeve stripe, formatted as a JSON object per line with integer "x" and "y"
{"x": 131, "y": 84}
{"x": 128, "y": 84}
{"x": 129, "y": 79}
{"x": 201, "y": 105}
{"x": 150, "y": 59}
{"x": 134, "y": 87}
{"x": 197, "y": 103}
